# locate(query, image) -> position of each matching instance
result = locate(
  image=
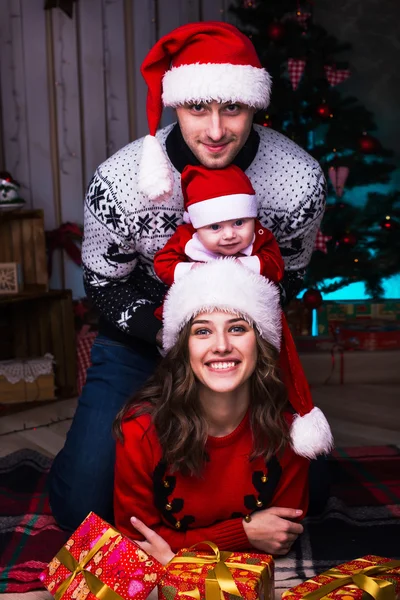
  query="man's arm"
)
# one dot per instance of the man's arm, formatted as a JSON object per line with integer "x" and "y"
{"x": 119, "y": 289}
{"x": 298, "y": 240}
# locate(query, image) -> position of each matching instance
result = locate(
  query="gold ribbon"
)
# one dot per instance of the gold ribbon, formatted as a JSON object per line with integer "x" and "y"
{"x": 99, "y": 589}
{"x": 379, "y": 589}
{"x": 219, "y": 578}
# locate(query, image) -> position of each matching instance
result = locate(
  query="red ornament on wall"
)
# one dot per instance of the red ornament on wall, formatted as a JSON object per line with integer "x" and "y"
{"x": 368, "y": 144}
{"x": 275, "y": 31}
{"x": 312, "y": 298}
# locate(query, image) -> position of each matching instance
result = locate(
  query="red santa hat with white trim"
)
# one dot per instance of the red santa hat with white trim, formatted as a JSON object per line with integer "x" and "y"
{"x": 225, "y": 284}
{"x": 197, "y": 62}
{"x": 215, "y": 195}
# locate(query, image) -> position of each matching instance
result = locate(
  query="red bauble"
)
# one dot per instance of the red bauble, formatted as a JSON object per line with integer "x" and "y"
{"x": 275, "y": 31}
{"x": 348, "y": 240}
{"x": 368, "y": 144}
{"x": 312, "y": 298}
{"x": 388, "y": 225}
{"x": 324, "y": 111}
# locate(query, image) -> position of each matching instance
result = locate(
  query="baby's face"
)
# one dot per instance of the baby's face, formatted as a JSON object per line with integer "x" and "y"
{"x": 227, "y": 238}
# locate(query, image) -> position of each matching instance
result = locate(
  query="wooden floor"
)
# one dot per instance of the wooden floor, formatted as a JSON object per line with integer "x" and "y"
{"x": 359, "y": 415}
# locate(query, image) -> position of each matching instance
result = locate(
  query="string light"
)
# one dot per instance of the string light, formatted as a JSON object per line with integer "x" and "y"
{"x": 35, "y": 427}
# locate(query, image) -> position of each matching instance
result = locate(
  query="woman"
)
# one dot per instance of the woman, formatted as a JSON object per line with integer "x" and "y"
{"x": 206, "y": 450}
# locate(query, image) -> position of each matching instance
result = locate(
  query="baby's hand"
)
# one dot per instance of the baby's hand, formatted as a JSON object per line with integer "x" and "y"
{"x": 196, "y": 265}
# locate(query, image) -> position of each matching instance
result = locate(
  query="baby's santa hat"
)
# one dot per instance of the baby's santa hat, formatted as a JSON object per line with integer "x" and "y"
{"x": 215, "y": 195}
{"x": 197, "y": 62}
{"x": 224, "y": 284}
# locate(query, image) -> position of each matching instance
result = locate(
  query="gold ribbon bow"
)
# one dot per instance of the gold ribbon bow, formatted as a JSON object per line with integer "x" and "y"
{"x": 99, "y": 589}
{"x": 379, "y": 589}
{"x": 219, "y": 578}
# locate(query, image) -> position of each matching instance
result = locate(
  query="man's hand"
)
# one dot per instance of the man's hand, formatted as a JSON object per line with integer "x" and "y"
{"x": 273, "y": 530}
{"x": 154, "y": 544}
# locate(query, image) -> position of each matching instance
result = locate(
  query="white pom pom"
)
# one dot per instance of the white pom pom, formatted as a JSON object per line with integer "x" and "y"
{"x": 311, "y": 434}
{"x": 155, "y": 175}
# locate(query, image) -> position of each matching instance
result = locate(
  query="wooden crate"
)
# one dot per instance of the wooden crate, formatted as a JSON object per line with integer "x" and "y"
{"x": 24, "y": 391}
{"x": 22, "y": 240}
{"x": 33, "y": 324}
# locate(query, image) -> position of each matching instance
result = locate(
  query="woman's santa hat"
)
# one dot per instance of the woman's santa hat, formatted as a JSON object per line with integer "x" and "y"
{"x": 225, "y": 284}
{"x": 215, "y": 195}
{"x": 198, "y": 62}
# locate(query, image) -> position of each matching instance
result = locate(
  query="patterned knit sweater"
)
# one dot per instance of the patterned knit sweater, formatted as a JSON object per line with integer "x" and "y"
{"x": 123, "y": 229}
{"x": 186, "y": 510}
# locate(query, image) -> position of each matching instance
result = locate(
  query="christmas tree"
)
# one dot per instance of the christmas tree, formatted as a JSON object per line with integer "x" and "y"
{"x": 359, "y": 240}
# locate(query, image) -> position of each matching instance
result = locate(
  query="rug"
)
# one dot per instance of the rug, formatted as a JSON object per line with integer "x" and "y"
{"x": 361, "y": 517}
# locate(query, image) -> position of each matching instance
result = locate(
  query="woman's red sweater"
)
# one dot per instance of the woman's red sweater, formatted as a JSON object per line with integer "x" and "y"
{"x": 186, "y": 510}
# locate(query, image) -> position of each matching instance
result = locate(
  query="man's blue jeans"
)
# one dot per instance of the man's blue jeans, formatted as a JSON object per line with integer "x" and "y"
{"x": 82, "y": 475}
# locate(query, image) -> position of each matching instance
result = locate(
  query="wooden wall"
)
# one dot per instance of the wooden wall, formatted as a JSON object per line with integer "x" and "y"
{"x": 71, "y": 94}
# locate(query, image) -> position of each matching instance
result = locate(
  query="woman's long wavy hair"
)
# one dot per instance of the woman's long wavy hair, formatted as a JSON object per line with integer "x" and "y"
{"x": 171, "y": 397}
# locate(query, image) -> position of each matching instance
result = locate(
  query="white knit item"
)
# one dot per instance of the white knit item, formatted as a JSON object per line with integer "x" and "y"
{"x": 310, "y": 434}
{"x": 26, "y": 370}
{"x": 155, "y": 179}
{"x": 220, "y": 82}
{"x": 226, "y": 285}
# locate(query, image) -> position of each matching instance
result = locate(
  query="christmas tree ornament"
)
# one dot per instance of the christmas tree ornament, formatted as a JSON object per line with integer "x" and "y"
{"x": 302, "y": 18}
{"x": 312, "y": 298}
{"x": 267, "y": 121}
{"x": 388, "y": 224}
{"x": 323, "y": 110}
{"x": 295, "y": 69}
{"x": 320, "y": 242}
{"x": 336, "y": 76}
{"x": 9, "y": 192}
{"x": 275, "y": 31}
{"x": 338, "y": 177}
{"x": 368, "y": 144}
{"x": 348, "y": 240}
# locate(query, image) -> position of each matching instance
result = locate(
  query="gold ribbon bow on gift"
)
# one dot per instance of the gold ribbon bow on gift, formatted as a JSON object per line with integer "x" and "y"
{"x": 219, "y": 578}
{"x": 99, "y": 589}
{"x": 379, "y": 589}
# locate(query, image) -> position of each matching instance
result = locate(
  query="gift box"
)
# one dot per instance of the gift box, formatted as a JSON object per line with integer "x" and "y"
{"x": 370, "y": 335}
{"x": 346, "y": 367}
{"x": 98, "y": 561}
{"x": 378, "y": 577}
{"x": 195, "y": 573}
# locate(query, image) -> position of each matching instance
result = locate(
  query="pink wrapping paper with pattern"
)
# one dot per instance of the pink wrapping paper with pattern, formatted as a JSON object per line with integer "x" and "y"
{"x": 116, "y": 566}
{"x": 388, "y": 579}
{"x": 187, "y": 580}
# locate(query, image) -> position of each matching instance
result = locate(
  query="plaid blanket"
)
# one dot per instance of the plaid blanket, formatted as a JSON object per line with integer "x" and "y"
{"x": 361, "y": 517}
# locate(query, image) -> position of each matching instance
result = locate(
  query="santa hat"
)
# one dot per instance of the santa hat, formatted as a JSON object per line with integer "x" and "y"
{"x": 225, "y": 284}
{"x": 214, "y": 195}
{"x": 197, "y": 62}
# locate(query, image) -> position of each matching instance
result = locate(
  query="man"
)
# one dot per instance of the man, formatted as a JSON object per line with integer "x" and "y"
{"x": 211, "y": 74}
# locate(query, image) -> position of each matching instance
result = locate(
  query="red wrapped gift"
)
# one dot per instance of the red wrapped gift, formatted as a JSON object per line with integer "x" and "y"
{"x": 378, "y": 577}
{"x": 370, "y": 336}
{"x": 99, "y": 562}
{"x": 194, "y": 573}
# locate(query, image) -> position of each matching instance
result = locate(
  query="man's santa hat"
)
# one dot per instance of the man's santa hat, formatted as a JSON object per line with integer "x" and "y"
{"x": 198, "y": 62}
{"x": 225, "y": 284}
{"x": 215, "y": 195}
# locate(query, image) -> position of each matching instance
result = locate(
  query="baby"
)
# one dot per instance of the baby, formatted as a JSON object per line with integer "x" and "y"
{"x": 220, "y": 220}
